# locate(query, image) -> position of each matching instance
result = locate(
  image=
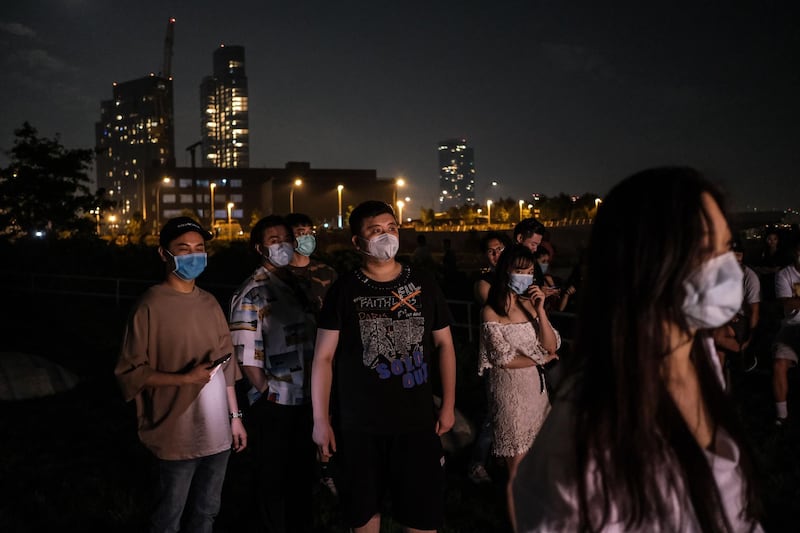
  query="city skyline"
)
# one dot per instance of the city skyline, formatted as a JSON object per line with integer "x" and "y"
{"x": 553, "y": 98}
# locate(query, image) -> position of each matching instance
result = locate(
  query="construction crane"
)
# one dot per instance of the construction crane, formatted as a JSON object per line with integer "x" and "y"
{"x": 169, "y": 40}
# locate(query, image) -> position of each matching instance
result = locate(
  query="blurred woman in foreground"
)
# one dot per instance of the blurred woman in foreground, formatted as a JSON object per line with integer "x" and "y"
{"x": 641, "y": 436}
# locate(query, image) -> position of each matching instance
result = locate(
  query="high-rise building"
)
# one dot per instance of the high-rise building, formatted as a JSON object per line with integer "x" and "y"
{"x": 225, "y": 129}
{"x": 135, "y": 143}
{"x": 456, "y": 174}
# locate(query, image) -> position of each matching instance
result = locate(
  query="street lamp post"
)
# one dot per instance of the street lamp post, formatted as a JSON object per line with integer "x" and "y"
{"x": 97, "y": 218}
{"x": 399, "y": 182}
{"x": 521, "y": 202}
{"x": 158, "y": 202}
{"x": 489, "y": 213}
{"x": 298, "y": 182}
{"x": 400, "y": 205}
{"x": 212, "y": 186}
{"x": 112, "y": 224}
{"x": 230, "y": 235}
{"x": 339, "y": 190}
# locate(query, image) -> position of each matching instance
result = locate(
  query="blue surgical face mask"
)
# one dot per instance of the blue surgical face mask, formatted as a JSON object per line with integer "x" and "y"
{"x": 306, "y": 244}
{"x": 189, "y": 266}
{"x": 519, "y": 283}
{"x": 280, "y": 254}
{"x": 544, "y": 267}
{"x": 713, "y": 292}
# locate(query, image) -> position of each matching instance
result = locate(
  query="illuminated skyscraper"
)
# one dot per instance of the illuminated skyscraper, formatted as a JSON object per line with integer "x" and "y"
{"x": 135, "y": 143}
{"x": 456, "y": 174}
{"x": 225, "y": 128}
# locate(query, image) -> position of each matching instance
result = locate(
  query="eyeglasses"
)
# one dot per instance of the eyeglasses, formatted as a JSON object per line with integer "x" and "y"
{"x": 495, "y": 251}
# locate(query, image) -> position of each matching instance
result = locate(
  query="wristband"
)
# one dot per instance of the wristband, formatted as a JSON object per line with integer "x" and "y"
{"x": 237, "y": 414}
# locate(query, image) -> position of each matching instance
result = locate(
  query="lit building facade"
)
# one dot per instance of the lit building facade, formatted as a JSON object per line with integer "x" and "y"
{"x": 253, "y": 193}
{"x": 456, "y": 174}
{"x": 225, "y": 130}
{"x": 135, "y": 143}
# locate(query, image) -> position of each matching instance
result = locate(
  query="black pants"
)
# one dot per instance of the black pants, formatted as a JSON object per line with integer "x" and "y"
{"x": 280, "y": 437}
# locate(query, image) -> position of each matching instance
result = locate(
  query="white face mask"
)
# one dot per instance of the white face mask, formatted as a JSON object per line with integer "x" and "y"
{"x": 714, "y": 292}
{"x": 383, "y": 247}
{"x": 280, "y": 254}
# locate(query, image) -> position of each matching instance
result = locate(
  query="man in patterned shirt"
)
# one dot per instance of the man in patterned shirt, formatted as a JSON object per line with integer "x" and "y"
{"x": 272, "y": 329}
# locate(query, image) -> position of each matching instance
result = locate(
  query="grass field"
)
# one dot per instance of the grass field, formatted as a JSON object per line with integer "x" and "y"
{"x": 73, "y": 461}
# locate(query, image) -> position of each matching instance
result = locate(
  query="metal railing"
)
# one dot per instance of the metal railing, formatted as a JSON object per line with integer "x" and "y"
{"x": 463, "y": 312}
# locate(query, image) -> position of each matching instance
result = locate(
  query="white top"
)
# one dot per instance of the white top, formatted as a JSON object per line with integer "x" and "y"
{"x": 545, "y": 495}
{"x": 785, "y": 281}
{"x": 752, "y": 286}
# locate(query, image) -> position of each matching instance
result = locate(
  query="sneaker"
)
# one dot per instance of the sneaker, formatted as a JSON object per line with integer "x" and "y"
{"x": 780, "y": 422}
{"x": 328, "y": 483}
{"x": 478, "y": 474}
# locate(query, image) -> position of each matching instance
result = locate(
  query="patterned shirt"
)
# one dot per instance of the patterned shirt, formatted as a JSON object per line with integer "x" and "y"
{"x": 272, "y": 329}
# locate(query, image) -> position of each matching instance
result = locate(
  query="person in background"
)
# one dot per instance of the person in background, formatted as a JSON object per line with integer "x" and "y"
{"x": 314, "y": 276}
{"x": 568, "y": 301}
{"x": 387, "y": 326}
{"x": 641, "y": 435}
{"x": 314, "y": 279}
{"x": 735, "y": 337}
{"x": 492, "y": 246}
{"x": 542, "y": 258}
{"x": 787, "y": 341}
{"x": 770, "y": 259}
{"x": 272, "y": 328}
{"x": 530, "y": 232}
{"x": 186, "y": 406}
{"x": 516, "y": 341}
{"x": 421, "y": 257}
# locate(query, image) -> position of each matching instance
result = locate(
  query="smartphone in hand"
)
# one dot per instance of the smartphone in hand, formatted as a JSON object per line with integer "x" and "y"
{"x": 216, "y": 362}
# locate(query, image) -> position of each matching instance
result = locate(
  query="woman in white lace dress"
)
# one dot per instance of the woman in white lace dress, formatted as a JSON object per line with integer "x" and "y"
{"x": 517, "y": 339}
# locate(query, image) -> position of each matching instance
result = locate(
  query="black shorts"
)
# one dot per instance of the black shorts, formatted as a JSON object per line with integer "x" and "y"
{"x": 409, "y": 468}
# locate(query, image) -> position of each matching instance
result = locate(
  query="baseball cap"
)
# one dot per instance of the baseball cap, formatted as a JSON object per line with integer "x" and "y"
{"x": 175, "y": 227}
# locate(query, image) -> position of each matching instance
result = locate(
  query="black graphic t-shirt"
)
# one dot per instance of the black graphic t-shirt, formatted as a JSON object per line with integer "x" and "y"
{"x": 382, "y": 366}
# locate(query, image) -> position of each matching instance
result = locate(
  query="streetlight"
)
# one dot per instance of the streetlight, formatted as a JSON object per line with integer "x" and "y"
{"x": 399, "y": 182}
{"x": 158, "y": 202}
{"x": 212, "y": 186}
{"x": 489, "y": 213}
{"x": 339, "y": 190}
{"x": 97, "y": 217}
{"x": 521, "y": 202}
{"x": 400, "y": 204}
{"x": 298, "y": 182}
{"x": 230, "y": 206}
{"x": 112, "y": 224}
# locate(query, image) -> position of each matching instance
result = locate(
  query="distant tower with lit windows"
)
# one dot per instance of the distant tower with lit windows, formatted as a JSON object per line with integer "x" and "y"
{"x": 135, "y": 139}
{"x": 225, "y": 130}
{"x": 456, "y": 174}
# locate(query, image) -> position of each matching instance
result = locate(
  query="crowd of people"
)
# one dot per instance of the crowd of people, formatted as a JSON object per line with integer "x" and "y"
{"x": 632, "y": 431}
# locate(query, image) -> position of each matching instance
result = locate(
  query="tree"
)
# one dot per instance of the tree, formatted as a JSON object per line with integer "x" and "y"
{"x": 46, "y": 187}
{"x": 427, "y": 217}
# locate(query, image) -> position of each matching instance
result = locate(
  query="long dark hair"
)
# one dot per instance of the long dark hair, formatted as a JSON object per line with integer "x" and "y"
{"x": 649, "y": 234}
{"x": 517, "y": 256}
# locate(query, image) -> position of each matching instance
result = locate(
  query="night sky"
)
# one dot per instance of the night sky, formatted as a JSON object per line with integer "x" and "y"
{"x": 553, "y": 97}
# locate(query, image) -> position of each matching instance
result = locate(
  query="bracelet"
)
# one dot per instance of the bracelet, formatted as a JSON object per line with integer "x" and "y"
{"x": 237, "y": 414}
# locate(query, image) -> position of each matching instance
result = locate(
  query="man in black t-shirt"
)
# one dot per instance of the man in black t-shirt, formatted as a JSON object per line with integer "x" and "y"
{"x": 383, "y": 324}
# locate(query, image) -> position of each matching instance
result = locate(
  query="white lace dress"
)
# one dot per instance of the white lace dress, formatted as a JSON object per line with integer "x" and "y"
{"x": 517, "y": 397}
